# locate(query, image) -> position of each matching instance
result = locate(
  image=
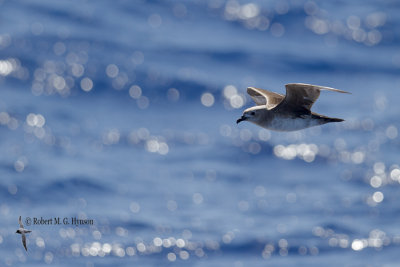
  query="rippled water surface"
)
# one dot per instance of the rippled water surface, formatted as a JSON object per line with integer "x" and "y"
{"x": 122, "y": 113}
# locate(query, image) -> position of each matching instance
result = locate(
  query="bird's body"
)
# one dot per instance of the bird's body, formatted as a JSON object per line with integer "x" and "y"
{"x": 284, "y": 123}
{"x": 286, "y": 113}
{"x": 22, "y": 231}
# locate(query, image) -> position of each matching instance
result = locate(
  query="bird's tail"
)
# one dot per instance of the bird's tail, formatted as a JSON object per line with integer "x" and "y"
{"x": 326, "y": 119}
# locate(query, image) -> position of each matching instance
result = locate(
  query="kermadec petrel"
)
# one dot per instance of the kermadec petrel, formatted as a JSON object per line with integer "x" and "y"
{"x": 22, "y": 231}
{"x": 287, "y": 113}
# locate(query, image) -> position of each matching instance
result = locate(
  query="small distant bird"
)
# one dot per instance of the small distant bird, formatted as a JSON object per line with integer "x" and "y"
{"x": 22, "y": 231}
{"x": 287, "y": 113}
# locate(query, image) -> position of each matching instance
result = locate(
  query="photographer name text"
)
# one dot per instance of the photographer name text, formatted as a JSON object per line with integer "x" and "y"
{"x": 74, "y": 221}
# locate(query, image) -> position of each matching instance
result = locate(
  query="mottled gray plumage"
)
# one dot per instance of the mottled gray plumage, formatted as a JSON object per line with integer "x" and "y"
{"x": 287, "y": 113}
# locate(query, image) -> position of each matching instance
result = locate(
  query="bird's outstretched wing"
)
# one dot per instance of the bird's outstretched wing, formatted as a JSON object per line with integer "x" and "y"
{"x": 20, "y": 222}
{"x": 303, "y": 96}
{"x": 265, "y": 97}
{"x": 24, "y": 241}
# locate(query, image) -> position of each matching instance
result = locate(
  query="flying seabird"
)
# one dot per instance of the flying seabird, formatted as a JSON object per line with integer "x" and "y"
{"x": 22, "y": 231}
{"x": 292, "y": 112}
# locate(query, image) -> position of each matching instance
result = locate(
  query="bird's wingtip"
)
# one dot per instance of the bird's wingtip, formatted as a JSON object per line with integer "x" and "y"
{"x": 345, "y": 92}
{"x": 317, "y": 87}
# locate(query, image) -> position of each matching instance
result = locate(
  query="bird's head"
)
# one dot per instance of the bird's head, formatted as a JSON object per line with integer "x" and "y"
{"x": 251, "y": 114}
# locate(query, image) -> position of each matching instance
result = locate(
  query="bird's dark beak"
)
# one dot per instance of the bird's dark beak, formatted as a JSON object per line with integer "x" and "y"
{"x": 243, "y": 118}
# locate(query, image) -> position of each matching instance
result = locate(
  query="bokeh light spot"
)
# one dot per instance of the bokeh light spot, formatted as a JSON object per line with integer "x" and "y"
{"x": 207, "y": 99}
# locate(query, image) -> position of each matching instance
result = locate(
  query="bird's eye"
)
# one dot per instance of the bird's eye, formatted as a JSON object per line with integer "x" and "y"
{"x": 252, "y": 113}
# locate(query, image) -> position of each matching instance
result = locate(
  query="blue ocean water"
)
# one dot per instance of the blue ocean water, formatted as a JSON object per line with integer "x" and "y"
{"x": 123, "y": 113}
